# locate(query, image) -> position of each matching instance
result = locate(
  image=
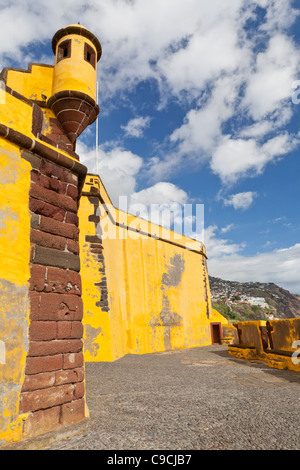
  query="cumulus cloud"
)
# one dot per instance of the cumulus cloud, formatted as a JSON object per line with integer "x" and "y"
{"x": 202, "y": 127}
{"x": 165, "y": 192}
{"x": 217, "y": 247}
{"x": 270, "y": 83}
{"x": 240, "y": 200}
{"x": 236, "y": 158}
{"x": 227, "y": 228}
{"x": 161, "y": 203}
{"x": 136, "y": 126}
{"x": 118, "y": 168}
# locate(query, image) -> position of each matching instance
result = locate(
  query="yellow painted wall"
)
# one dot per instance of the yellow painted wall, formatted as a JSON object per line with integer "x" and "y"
{"x": 14, "y": 276}
{"x": 34, "y": 84}
{"x": 158, "y": 291}
{"x": 16, "y": 114}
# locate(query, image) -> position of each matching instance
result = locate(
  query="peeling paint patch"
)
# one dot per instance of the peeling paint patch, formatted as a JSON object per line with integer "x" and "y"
{"x": 175, "y": 270}
{"x": 90, "y": 344}
{"x": 167, "y": 319}
{"x": 166, "y": 316}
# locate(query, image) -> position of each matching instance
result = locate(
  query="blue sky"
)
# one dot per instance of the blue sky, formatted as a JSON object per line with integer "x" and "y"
{"x": 196, "y": 108}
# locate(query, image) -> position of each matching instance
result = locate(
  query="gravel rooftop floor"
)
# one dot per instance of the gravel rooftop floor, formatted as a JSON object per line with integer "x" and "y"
{"x": 193, "y": 399}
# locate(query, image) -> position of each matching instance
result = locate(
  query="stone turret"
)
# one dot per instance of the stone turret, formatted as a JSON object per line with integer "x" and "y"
{"x": 73, "y": 99}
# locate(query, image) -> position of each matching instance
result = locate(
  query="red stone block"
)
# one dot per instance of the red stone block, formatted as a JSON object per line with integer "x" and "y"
{"x": 37, "y": 277}
{"x": 72, "y": 191}
{"x": 69, "y": 329}
{"x": 50, "y": 169}
{"x": 58, "y": 228}
{"x": 42, "y": 330}
{"x": 69, "y": 177}
{"x": 41, "y": 422}
{"x": 79, "y": 390}
{"x": 69, "y": 376}
{"x": 47, "y": 239}
{"x": 36, "y": 365}
{"x": 72, "y": 360}
{"x": 34, "y": 300}
{"x": 48, "y": 210}
{"x": 47, "y": 348}
{"x": 73, "y": 246}
{"x": 57, "y": 280}
{"x": 51, "y": 197}
{"x": 75, "y": 281}
{"x": 37, "y": 381}
{"x": 72, "y": 218}
{"x": 63, "y": 281}
{"x": 73, "y": 412}
{"x": 55, "y": 307}
{"x": 46, "y": 398}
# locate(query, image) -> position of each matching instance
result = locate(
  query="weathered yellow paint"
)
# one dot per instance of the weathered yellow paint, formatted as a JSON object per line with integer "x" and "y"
{"x": 158, "y": 289}
{"x": 284, "y": 351}
{"x": 34, "y": 83}
{"x": 75, "y": 73}
{"x": 14, "y": 276}
{"x": 16, "y": 114}
{"x": 284, "y": 333}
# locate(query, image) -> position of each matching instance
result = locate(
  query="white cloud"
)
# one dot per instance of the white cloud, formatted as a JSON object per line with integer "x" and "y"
{"x": 162, "y": 192}
{"x": 118, "y": 168}
{"x": 241, "y": 200}
{"x": 192, "y": 67}
{"x": 217, "y": 247}
{"x": 270, "y": 83}
{"x": 135, "y": 127}
{"x": 160, "y": 203}
{"x": 263, "y": 267}
{"x": 202, "y": 127}
{"x": 236, "y": 158}
{"x": 227, "y": 228}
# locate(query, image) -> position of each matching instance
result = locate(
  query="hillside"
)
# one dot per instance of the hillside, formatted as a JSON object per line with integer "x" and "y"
{"x": 235, "y": 300}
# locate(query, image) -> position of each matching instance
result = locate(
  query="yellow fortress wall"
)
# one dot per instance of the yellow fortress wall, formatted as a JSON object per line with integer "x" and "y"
{"x": 14, "y": 277}
{"x": 42, "y": 381}
{"x": 145, "y": 289}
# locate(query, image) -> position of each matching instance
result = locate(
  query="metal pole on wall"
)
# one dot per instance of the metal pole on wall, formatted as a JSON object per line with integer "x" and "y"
{"x": 96, "y": 171}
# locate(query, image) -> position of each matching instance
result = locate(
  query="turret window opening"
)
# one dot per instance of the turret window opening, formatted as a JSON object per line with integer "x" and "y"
{"x": 89, "y": 55}
{"x": 64, "y": 50}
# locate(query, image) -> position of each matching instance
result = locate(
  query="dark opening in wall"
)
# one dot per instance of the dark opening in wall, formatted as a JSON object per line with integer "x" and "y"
{"x": 64, "y": 50}
{"x": 89, "y": 55}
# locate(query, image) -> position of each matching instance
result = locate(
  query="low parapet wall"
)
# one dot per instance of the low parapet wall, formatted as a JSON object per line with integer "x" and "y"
{"x": 276, "y": 341}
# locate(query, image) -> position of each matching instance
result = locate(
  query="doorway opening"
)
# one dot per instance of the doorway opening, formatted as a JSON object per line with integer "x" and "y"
{"x": 216, "y": 333}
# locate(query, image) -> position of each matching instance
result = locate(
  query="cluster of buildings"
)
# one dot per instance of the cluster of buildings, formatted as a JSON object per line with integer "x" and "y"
{"x": 233, "y": 295}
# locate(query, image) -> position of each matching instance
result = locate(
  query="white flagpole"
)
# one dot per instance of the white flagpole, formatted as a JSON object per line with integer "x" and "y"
{"x": 97, "y": 137}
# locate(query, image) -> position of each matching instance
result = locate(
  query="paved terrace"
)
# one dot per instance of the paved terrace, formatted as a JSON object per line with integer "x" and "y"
{"x": 199, "y": 399}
